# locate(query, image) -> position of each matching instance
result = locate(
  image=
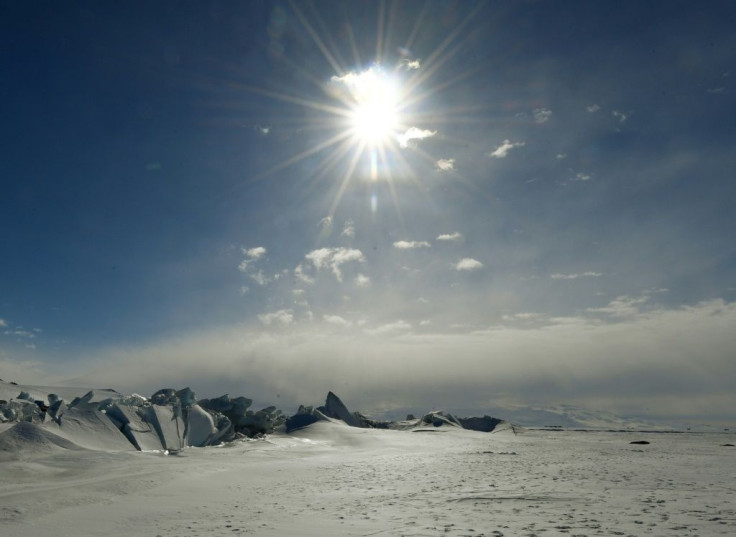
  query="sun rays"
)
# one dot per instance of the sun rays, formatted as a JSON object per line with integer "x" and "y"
{"x": 367, "y": 121}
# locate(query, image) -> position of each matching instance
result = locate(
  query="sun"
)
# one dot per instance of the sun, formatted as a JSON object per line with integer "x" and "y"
{"x": 373, "y": 101}
{"x": 374, "y": 116}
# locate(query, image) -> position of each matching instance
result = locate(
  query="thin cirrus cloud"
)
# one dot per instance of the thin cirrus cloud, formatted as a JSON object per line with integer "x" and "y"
{"x": 414, "y": 133}
{"x": 503, "y": 150}
{"x": 411, "y": 245}
{"x": 468, "y": 264}
{"x": 575, "y": 276}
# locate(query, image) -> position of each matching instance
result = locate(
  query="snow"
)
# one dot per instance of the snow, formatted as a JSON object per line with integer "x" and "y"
{"x": 330, "y": 479}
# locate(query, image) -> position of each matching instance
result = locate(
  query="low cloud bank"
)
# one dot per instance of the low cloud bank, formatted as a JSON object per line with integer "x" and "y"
{"x": 675, "y": 363}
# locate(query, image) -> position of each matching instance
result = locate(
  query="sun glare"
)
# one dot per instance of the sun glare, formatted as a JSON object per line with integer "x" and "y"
{"x": 373, "y": 99}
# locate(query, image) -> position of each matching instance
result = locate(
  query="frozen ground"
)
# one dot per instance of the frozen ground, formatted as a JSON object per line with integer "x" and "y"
{"x": 330, "y": 479}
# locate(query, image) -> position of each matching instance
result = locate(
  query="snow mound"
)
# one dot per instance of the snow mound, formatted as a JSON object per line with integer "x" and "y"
{"x": 28, "y": 438}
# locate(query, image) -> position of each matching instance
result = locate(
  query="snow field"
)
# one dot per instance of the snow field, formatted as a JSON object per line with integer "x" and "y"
{"x": 330, "y": 479}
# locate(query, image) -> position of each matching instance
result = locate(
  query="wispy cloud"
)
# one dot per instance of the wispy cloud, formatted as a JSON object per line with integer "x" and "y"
{"x": 3, "y": 323}
{"x": 260, "y": 278}
{"x": 336, "y": 320}
{"x": 410, "y": 65}
{"x": 575, "y": 276}
{"x": 542, "y": 115}
{"x": 348, "y": 229}
{"x": 326, "y": 226}
{"x": 502, "y": 150}
{"x": 334, "y": 258}
{"x": 302, "y": 276}
{"x": 468, "y": 263}
{"x": 411, "y": 245}
{"x": 361, "y": 280}
{"x": 450, "y": 237}
{"x": 620, "y": 116}
{"x": 581, "y": 177}
{"x": 252, "y": 255}
{"x": 592, "y": 108}
{"x": 649, "y": 356}
{"x": 389, "y": 328}
{"x": 561, "y": 156}
{"x": 524, "y": 316}
{"x": 282, "y": 317}
{"x": 622, "y": 306}
{"x": 445, "y": 164}
{"x": 414, "y": 133}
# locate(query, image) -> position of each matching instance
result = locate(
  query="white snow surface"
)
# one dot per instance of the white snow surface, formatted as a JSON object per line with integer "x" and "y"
{"x": 330, "y": 479}
{"x": 333, "y": 480}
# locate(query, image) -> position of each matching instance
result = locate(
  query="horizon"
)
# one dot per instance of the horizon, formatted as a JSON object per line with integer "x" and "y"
{"x": 415, "y": 205}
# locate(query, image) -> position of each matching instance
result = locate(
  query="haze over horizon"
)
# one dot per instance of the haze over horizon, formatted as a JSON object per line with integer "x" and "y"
{"x": 414, "y": 204}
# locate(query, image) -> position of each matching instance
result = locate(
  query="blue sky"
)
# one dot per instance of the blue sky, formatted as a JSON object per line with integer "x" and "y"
{"x": 191, "y": 194}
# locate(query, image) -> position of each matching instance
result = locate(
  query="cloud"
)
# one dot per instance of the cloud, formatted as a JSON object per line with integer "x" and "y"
{"x": 255, "y": 253}
{"x": 252, "y": 255}
{"x": 3, "y": 323}
{"x": 326, "y": 226}
{"x": 581, "y": 177}
{"x": 334, "y": 258}
{"x": 303, "y": 276}
{"x": 620, "y": 116}
{"x": 411, "y": 245}
{"x": 622, "y": 306}
{"x": 592, "y": 108}
{"x": 337, "y": 321}
{"x": 20, "y": 333}
{"x": 414, "y": 133}
{"x": 450, "y": 237}
{"x": 244, "y": 290}
{"x": 389, "y": 328}
{"x": 445, "y": 164}
{"x": 468, "y": 263}
{"x": 282, "y": 317}
{"x": 561, "y": 156}
{"x": 668, "y": 363}
{"x": 263, "y": 129}
{"x": 589, "y": 274}
{"x": 260, "y": 278}
{"x": 410, "y": 65}
{"x": 502, "y": 150}
{"x": 542, "y": 115}
{"x": 524, "y": 316}
{"x": 361, "y": 280}
{"x": 348, "y": 229}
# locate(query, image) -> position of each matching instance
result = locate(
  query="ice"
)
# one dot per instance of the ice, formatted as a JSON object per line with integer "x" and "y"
{"x": 168, "y": 424}
{"x": 139, "y": 432}
{"x": 200, "y": 427}
{"x": 86, "y": 425}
